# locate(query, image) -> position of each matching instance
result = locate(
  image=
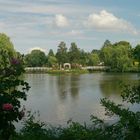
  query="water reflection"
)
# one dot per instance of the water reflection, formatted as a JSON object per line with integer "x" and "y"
{"x": 68, "y": 85}
{"x": 61, "y": 97}
{"x": 74, "y": 86}
{"x": 62, "y": 85}
{"x": 112, "y": 84}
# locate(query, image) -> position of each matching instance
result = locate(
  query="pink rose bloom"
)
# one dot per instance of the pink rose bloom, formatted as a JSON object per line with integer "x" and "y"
{"x": 7, "y": 107}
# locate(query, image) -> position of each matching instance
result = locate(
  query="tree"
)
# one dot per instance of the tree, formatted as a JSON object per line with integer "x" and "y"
{"x": 95, "y": 51}
{"x": 6, "y": 44}
{"x": 61, "y": 54}
{"x": 107, "y": 43}
{"x": 74, "y": 54}
{"x": 93, "y": 59}
{"x": 118, "y": 56}
{"x": 51, "y": 53}
{"x": 36, "y": 58}
{"x": 83, "y": 58}
{"x": 136, "y": 53}
{"x": 52, "y": 60}
{"x": 106, "y": 55}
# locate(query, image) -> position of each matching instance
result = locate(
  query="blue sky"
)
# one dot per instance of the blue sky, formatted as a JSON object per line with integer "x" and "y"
{"x": 45, "y": 23}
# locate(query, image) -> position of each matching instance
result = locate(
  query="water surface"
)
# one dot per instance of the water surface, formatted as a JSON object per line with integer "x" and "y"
{"x": 62, "y": 97}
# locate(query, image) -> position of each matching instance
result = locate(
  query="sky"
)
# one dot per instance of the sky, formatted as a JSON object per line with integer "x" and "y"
{"x": 43, "y": 24}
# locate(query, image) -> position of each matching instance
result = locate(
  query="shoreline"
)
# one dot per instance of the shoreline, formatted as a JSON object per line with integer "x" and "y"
{"x": 74, "y": 72}
{"x": 41, "y": 70}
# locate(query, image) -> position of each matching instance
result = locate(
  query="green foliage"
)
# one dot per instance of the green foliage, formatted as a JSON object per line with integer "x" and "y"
{"x": 83, "y": 58}
{"x": 136, "y": 53}
{"x": 32, "y": 129}
{"x": 118, "y": 56}
{"x": 6, "y": 44}
{"x": 51, "y": 53}
{"x": 37, "y": 130}
{"x": 131, "y": 94}
{"x": 74, "y": 54}
{"x": 11, "y": 68}
{"x": 107, "y": 43}
{"x": 36, "y": 58}
{"x": 52, "y": 61}
{"x": 61, "y": 54}
{"x": 93, "y": 59}
{"x": 94, "y": 51}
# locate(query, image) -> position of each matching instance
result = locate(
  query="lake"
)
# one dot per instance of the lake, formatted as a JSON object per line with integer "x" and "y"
{"x": 59, "y": 98}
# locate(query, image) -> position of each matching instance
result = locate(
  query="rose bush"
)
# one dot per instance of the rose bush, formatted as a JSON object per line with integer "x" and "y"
{"x": 7, "y": 107}
{"x": 11, "y": 70}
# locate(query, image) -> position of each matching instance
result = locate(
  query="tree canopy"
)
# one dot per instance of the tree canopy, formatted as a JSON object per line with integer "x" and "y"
{"x": 137, "y": 52}
{"x": 74, "y": 53}
{"x": 6, "y": 44}
{"x": 36, "y": 58}
{"x": 117, "y": 56}
{"x": 120, "y": 56}
{"x": 61, "y": 54}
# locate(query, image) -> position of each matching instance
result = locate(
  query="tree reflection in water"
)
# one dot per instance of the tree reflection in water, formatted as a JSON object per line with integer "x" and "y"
{"x": 68, "y": 85}
{"x": 111, "y": 84}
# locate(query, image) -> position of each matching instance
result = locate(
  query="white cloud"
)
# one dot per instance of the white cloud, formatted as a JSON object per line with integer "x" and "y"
{"x": 37, "y": 48}
{"x": 61, "y": 21}
{"x": 107, "y": 21}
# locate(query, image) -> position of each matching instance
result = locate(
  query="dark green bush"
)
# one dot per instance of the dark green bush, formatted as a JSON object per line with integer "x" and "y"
{"x": 11, "y": 68}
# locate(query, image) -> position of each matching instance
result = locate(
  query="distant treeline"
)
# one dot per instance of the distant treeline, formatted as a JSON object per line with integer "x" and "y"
{"x": 120, "y": 56}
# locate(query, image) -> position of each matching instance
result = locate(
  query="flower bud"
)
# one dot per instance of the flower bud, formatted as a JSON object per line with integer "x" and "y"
{"x": 15, "y": 61}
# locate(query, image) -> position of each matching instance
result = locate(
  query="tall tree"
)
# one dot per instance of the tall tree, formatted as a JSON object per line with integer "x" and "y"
{"x": 51, "y": 53}
{"x": 136, "y": 52}
{"x": 83, "y": 58}
{"x": 61, "y": 54}
{"x": 74, "y": 53}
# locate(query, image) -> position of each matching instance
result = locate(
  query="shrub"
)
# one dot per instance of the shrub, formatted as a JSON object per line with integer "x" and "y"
{"x": 11, "y": 70}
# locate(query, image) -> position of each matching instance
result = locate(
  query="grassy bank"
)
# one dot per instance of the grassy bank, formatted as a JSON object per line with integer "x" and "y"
{"x": 78, "y": 71}
{"x": 73, "y": 71}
